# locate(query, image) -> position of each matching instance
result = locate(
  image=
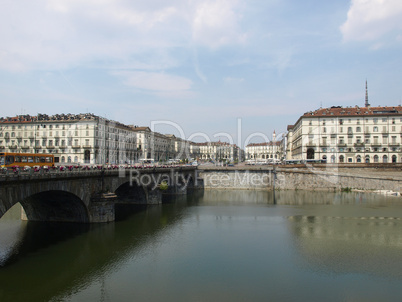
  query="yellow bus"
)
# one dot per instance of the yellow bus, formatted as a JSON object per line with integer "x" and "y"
{"x": 8, "y": 159}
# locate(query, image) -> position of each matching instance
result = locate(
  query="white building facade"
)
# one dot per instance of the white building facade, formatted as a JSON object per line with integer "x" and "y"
{"x": 71, "y": 138}
{"x": 268, "y": 151}
{"x": 220, "y": 151}
{"x": 347, "y": 135}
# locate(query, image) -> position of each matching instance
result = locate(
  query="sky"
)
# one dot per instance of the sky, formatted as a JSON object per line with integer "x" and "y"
{"x": 202, "y": 68}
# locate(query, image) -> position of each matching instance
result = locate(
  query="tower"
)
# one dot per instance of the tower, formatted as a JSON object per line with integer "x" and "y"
{"x": 274, "y": 137}
{"x": 366, "y": 104}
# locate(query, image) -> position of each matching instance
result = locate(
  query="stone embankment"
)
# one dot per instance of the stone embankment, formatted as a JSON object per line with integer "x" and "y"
{"x": 330, "y": 178}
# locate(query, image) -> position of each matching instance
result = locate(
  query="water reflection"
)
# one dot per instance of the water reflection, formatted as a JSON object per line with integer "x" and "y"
{"x": 12, "y": 232}
{"x": 349, "y": 244}
{"x": 216, "y": 245}
{"x": 67, "y": 256}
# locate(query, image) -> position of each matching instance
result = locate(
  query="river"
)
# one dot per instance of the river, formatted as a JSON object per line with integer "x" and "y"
{"x": 213, "y": 246}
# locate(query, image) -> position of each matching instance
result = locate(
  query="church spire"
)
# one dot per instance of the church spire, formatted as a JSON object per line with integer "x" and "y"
{"x": 366, "y": 104}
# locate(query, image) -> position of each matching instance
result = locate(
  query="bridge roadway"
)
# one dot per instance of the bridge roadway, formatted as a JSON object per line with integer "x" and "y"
{"x": 88, "y": 196}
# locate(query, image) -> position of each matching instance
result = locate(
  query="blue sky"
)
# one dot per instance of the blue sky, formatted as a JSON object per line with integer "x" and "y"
{"x": 201, "y": 64}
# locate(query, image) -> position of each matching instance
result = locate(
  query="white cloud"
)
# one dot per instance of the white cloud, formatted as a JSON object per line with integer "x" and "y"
{"x": 369, "y": 20}
{"x": 216, "y": 23}
{"x": 48, "y": 34}
{"x": 157, "y": 82}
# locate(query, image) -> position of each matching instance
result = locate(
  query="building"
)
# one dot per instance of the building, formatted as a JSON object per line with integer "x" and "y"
{"x": 71, "y": 138}
{"x": 265, "y": 152}
{"x": 219, "y": 151}
{"x": 89, "y": 139}
{"x": 348, "y": 135}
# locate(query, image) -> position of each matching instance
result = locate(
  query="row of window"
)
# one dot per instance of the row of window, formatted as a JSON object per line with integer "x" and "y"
{"x": 367, "y": 120}
{"x": 44, "y": 133}
{"x": 367, "y": 159}
{"x": 13, "y": 127}
{"x": 393, "y": 149}
{"x": 358, "y": 129}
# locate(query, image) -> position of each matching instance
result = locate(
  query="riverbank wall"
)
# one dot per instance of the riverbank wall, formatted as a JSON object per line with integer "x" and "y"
{"x": 300, "y": 179}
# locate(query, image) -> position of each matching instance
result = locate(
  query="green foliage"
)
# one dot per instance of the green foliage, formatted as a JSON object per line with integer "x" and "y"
{"x": 163, "y": 186}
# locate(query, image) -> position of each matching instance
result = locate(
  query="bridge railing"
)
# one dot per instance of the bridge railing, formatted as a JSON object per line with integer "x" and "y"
{"x": 17, "y": 172}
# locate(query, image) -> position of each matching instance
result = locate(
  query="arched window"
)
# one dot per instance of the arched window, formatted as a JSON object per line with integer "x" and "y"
{"x": 332, "y": 158}
{"x": 358, "y": 159}
{"x": 358, "y": 129}
{"x": 69, "y": 159}
{"x": 375, "y": 129}
{"x": 63, "y": 159}
{"x": 76, "y": 159}
{"x": 367, "y": 159}
{"x": 393, "y": 159}
{"x": 385, "y": 159}
{"x": 12, "y": 134}
{"x": 376, "y": 158}
{"x": 341, "y": 159}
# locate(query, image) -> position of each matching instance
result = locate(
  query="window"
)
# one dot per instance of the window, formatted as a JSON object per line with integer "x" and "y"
{"x": 375, "y": 129}
{"x": 375, "y": 120}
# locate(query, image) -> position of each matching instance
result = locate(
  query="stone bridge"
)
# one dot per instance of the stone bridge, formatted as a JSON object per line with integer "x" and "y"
{"x": 89, "y": 196}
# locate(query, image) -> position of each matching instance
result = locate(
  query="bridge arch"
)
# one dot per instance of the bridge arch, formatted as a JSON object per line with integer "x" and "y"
{"x": 131, "y": 193}
{"x": 55, "y": 205}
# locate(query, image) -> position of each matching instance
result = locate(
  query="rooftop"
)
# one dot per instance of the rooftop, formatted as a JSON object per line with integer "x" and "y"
{"x": 264, "y": 144}
{"x": 355, "y": 111}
